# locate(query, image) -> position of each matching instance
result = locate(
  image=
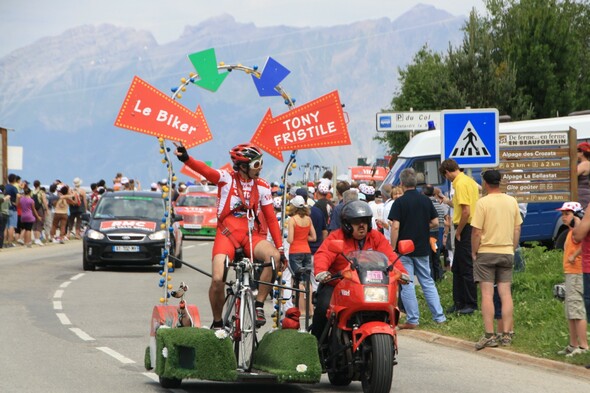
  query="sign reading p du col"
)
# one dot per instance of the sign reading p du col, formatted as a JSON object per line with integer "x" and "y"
{"x": 407, "y": 121}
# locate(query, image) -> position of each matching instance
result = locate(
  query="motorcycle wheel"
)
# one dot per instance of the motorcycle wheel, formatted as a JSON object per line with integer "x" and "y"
{"x": 342, "y": 377}
{"x": 378, "y": 365}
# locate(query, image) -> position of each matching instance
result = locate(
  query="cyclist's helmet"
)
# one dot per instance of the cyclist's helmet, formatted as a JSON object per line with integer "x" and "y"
{"x": 244, "y": 154}
{"x": 355, "y": 210}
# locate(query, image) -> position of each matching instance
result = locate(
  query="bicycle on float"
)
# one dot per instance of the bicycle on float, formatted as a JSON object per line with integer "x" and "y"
{"x": 239, "y": 313}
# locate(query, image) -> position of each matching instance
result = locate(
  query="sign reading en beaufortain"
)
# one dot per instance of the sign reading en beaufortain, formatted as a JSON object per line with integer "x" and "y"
{"x": 149, "y": 111}
{"x": 319, "y": 123}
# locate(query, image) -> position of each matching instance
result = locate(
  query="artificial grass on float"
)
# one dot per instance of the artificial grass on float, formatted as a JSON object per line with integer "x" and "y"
{"x": 289, "y": 354}
{"x": 193, "y": 353}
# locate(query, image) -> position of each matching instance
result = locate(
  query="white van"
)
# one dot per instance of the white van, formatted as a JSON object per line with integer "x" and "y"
{"x": 543, "y": 222}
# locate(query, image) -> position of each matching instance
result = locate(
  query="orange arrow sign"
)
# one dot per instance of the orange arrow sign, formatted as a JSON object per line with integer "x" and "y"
{"x": 149, "y": 111}
{"x": 319, "y": 123}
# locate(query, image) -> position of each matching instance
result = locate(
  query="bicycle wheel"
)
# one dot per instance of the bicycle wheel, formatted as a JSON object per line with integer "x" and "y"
{"x": 244, "y": 347}
{"x": 229, "y": 314}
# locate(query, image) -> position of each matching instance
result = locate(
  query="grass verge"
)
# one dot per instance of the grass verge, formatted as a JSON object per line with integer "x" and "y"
{"x": 540, "y": 325}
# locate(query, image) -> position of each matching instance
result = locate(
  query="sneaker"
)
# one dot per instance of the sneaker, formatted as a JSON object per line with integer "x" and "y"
{"x": 486, "y": 342}
{"x": 21, "y": 242}
{"x": 55, "y": 240}
{"x": 576, "y": 351}
{"x": 38, "y": 242}
{"x": 506, "y": 339}
{"x": 567, "y": 350}
{"x": 260, "y": 318}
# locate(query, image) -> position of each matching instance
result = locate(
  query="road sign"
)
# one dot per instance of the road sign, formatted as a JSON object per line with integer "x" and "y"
{"x": 470, "y": 137}
{"x": 407, "y": 121}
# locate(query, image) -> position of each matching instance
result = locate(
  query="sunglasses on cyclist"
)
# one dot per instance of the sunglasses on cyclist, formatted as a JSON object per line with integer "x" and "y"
{"x": 256, "y": 163}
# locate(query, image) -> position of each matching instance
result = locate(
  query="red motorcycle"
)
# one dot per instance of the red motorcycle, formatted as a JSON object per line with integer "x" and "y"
{"x": 360, "y": 340}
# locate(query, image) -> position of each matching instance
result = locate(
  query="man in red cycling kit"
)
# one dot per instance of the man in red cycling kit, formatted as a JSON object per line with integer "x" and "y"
{"x": 242, "y": 195}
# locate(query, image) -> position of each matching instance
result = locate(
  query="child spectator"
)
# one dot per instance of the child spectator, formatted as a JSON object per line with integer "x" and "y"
{"x": 575, "y": 311}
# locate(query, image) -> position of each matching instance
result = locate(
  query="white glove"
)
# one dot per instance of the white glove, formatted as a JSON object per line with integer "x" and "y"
{"x": 323, "y": 276}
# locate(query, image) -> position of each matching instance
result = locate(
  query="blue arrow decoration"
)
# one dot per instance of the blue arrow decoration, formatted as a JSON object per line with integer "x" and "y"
{"x": 273, "y": 73}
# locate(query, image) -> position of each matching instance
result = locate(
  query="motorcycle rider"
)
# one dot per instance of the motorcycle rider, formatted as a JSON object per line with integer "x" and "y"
{"x": 356, "y": 232}
{"x": 244, "y": 202}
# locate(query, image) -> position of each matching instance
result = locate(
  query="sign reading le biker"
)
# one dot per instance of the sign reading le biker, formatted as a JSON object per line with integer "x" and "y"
{"x": 470, "y": 137}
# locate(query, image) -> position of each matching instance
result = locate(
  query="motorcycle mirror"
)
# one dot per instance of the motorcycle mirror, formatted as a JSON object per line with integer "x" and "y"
{"x": 405, "y": 247}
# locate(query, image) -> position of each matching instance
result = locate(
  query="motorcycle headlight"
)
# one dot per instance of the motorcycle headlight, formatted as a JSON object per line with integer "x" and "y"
{"x": 376, "y": 294}
{"x": 160, "y": 235}
{"x": 94, "y": 235}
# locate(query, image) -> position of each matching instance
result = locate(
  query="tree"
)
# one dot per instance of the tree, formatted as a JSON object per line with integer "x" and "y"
{"x": 547, "y": 41}
{"x": 528, "y": 58}
{"x": 425, "y": 85}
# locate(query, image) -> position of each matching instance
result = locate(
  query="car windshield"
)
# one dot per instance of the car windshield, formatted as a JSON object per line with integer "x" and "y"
{"x": 196, "y": 200}
{"x": 130, "y": 207}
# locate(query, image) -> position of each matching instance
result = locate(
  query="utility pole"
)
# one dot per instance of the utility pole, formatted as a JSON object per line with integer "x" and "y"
{"x": 4, "y": 154}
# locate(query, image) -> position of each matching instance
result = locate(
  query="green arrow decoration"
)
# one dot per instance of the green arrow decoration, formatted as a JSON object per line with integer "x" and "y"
{"x": 205, "y": 64}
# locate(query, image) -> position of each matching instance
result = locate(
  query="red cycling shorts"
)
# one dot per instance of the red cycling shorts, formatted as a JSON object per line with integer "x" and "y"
{"x": 224, "y": 245}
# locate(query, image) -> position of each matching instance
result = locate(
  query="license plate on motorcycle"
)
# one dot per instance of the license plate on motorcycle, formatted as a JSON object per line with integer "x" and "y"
{"x": 125, "y": 248}
{"x": 374, "y": 275}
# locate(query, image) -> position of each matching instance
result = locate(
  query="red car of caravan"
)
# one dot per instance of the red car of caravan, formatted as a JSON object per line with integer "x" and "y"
{"x": 198, "y": 209}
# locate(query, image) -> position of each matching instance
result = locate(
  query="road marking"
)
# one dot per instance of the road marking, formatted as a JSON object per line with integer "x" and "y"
{"x": 57, "y": 305}
{"x": 63, "y": 318}
{"x": 77, "y": 276}
{"x": 153, "y": 376}
{"x": 115, "y": 354}
{"x": 82, "y": 334}
{"x": 187, "y": 247}
{"x": 65, "y": 284}
{"x": 58, "y": 293}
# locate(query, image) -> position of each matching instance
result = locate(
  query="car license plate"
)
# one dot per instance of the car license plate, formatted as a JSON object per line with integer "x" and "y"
{"x": 125, "y": 248}
{"x": 192, "y": 226}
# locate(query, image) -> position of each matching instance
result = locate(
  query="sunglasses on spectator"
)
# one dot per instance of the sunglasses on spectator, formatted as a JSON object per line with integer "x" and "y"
{"x": 256, "y": 163}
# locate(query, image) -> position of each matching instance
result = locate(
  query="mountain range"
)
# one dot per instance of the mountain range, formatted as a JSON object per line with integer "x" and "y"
{"x": 61, "y": 94}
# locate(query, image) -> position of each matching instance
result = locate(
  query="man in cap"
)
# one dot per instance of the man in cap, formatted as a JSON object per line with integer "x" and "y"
{"x": 496, "y": 230}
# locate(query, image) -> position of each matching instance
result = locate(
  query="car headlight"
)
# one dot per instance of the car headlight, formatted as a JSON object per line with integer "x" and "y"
{"x": 94, "y": 235}
{"x": 160, "y": 235}
{"x": 376, "y": 294}
{"x": 213, "y": 220}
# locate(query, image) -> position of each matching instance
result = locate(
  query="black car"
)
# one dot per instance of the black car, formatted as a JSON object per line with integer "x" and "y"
{"x": 126, "y": 229}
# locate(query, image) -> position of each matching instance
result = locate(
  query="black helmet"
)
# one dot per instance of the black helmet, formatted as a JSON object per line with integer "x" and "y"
{"x": 353, "y": 210}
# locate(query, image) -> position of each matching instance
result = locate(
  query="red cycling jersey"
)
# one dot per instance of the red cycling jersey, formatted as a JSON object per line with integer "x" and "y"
{"x": 234, "y": 197}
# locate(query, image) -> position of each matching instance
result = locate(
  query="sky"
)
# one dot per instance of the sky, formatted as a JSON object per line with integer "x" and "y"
{"x": 22, "y": 22}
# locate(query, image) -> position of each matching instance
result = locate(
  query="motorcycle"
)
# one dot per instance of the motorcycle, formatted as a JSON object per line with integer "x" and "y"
{"x": 359, "y": 341}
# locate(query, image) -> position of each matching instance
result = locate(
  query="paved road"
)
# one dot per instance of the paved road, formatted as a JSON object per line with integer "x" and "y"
{"x": 66, "y": 330}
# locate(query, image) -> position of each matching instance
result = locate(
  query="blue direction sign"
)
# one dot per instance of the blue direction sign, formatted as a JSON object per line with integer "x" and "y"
{"x": 470, "y": 137}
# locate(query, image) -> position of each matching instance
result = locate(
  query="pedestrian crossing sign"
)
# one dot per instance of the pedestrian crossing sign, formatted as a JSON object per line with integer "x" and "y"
{"x": 470, "y": 137}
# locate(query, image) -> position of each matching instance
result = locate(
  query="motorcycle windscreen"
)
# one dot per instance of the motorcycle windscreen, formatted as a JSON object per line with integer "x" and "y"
{"x": 371, "y": 266}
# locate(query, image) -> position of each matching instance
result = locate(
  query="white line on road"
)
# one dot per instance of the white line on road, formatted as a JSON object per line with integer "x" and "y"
{"x": 58, "y": 293}
{"x": 82, "y": 334}
{"x": 57, "y": 305}
{"x": 65, "y": 284}
{"x": 77, "y": 276}
{"x": 115, "y": 354}
{"x": 152, "y": 376}
{"x": 63, "y": 318}
{"x": 187, "y": 247}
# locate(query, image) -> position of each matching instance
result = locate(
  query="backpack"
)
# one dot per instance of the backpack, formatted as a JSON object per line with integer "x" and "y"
{"x": 37, "y": 199}
{"x": 77, "y": 199}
